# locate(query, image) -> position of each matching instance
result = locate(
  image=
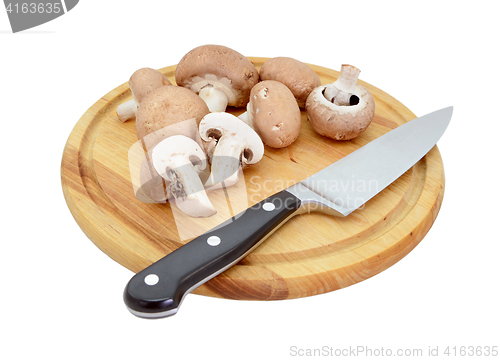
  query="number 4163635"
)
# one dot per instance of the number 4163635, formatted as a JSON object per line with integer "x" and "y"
{"x": 34, "y": 8}
{"x": 471, "y": 351}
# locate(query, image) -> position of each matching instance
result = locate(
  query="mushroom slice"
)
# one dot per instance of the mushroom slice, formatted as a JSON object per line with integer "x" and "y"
{"x": 220, "y": 75}
{"x": 179, "y": 159}
{"x": 141, "y": 83}
{"x": 296, "y": 75}
{"x": 230, "y": 143}
{"x": 341, "y": 110}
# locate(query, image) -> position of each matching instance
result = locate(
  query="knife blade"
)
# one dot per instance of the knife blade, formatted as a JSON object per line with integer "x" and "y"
{"x": 339, "y": 189}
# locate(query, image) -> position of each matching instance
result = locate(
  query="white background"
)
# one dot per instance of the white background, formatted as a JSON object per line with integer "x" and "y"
{"x": 61, "y": 297}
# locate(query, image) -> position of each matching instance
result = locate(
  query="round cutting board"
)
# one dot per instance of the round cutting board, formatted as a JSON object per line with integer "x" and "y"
{"x": 311, "y": 254}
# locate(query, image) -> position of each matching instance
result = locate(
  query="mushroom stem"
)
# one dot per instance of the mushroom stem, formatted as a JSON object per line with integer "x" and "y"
{"x": 341, "y": 90}
{"x": 246, "y": 118}
{"x": 127, "y": 110}
{"x": 226, "y": 162}
{"x": 188, "y": 191}
{"x": 177, "y": 159}
{"x": 215, "y": 99}
{"x": 347, "y": 78}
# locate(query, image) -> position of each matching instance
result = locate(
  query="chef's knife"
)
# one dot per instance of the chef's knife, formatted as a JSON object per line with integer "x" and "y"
{"x": 339, "y": 189}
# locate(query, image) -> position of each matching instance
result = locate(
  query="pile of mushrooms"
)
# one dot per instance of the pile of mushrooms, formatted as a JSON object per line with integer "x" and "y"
{"x": 177, "y": 131}
{"x": 192, "y": 145}
{"x": 179, "y": 160}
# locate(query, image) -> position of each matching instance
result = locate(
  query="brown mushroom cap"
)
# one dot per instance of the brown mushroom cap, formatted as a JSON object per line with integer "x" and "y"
{"x": 275, "y": 114}
{"x": 296, "y": 75}
{"x": 165, "y": 112}
{"x": 233, "y": 73}
{"x": 145, "y": 80}
{"x": 340, "y": 122}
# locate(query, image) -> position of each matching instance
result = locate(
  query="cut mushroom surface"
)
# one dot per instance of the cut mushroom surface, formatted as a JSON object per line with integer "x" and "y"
{"x": 141, "y": 83}
{"x": 230, "y": 143}
{"x": 152, "y": 185}
{"x": 179, "y": 159}
{"x": 341, "y": 110}
{"x": 296, "y": 75}
{"x": 220, "y": 75}
{"x": 165, "y": 112}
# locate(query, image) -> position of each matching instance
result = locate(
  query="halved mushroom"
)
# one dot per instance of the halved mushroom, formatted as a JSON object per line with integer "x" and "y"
{"x": 341, "y": 110}
{"x": 274, "y": 114}
{"x": 141, "y": 83}
{"x": 165, "y": 112}
{"x": 230, "y": 143}
{"x": 179, "y": 159}
{"x": 220, "y": 75}
{"x": 296, "y": 75}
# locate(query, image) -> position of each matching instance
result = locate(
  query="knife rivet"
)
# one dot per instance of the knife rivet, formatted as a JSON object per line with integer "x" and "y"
{"x": 213, "y": 240}
{"x": 151, "y": 279}
{"x": 269, "y": 206}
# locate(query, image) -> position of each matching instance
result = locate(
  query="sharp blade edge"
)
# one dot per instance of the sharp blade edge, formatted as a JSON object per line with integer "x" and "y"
{"x": 353, "y": 180}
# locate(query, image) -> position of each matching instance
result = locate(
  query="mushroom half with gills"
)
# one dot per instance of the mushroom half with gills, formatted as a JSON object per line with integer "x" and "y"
{"x": 341, "y": 110}
{"x": 219, "y": 75}
{"x": 164, "y": 112}
{"x": 230, "y": 143}
{"x": 179, "y": 159}
{"x": 141, "y": 83}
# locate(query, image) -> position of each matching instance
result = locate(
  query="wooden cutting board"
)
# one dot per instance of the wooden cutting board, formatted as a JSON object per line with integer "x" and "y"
{"x": 311, "y": 254}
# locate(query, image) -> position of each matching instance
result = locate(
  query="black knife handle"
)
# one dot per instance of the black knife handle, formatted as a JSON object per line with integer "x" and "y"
{"x": 158, "y": 290}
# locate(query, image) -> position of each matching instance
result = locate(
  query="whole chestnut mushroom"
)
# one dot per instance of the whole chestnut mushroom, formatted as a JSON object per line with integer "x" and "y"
{"x": 341, "y": 110}
{"x": 296, "y": 75}
{"x": 273, "y": 113}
